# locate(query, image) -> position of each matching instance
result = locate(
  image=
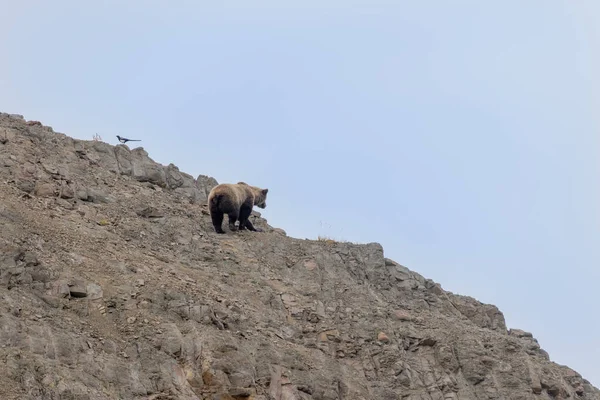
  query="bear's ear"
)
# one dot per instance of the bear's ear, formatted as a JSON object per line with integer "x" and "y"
{"x": 265, "y": 191}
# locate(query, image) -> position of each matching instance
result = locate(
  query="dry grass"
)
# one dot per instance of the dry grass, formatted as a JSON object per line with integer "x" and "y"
{"x": 326, "y": 239}
{"x": 330, "y": 240}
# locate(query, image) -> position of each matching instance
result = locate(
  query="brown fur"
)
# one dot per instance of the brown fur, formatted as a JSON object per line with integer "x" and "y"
{"x": 235, "y": 200}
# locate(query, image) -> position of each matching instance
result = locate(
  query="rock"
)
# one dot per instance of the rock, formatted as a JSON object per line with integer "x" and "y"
{"x": 137, "y": 164}
{"x": 330, "y": 335}
{"x": 124, "y": 160}
{"x": 94, "y": 291}
{"x": 41, "y": 274}
{"x": 60, "y": 289}
{"x": 204, "y": 184}
{"x": 45, "y": 190}
{"x": 81, "y": 194}
{"x": 483, "y": 315}
{"x": 98, "y": 196}
{"x": 28, "y": 186}
{"x": 64, "y": 204}
{"x": 428, "y": 342}
{"x": 310, "y": 265}
{"x": 51, "y": 301}
{"x": 554, "y": 390}
{"x": 280, "y": 387}
{"x": 382, "y": 337}
{"x": 98, "y": 153}
{"x": 402, "y": 315}
{"x": 172, "y": 340}
{"x": 173, "y": 177}
{"x": 240, "y": 392}
{"x": 50, "y": 168}
{"x": 66, "y": 192}
{"x": 78, "y": 289}
{"x": 520, "y": 333}
{"x": 240, "y": 380}
{"x": 150, "y": 212}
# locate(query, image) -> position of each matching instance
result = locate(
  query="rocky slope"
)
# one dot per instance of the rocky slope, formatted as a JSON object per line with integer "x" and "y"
{"x": 113, "y": 285}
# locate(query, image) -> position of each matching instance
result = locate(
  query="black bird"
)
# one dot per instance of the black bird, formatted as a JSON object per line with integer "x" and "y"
{"x": 125, "y": 140}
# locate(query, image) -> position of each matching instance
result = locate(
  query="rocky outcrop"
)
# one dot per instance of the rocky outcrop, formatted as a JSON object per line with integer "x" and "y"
{"x": 49, "y": 174}
{"x": 113, "y": 285}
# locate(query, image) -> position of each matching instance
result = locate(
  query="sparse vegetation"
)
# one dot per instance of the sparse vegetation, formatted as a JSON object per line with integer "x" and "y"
{"x": 328, "y": 238}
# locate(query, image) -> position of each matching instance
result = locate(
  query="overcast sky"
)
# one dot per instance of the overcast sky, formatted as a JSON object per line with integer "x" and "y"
{"x": 461, "y": 135}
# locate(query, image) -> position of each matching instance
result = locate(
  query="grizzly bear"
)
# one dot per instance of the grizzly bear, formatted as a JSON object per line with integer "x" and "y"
{"x": 235, "y": 200}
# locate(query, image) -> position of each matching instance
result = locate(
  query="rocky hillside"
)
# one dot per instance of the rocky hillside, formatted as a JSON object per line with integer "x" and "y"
{"x": 113, "y": 285}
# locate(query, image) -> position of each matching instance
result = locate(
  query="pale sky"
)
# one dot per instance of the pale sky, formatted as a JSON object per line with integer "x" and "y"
{"x": 463, "y": 136}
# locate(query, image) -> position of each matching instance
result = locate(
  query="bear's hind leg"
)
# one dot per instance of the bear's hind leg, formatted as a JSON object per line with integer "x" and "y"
{"x": 217, "y": 220}
{"x": 251, "y": 227}
{"x": 245, "y": 211}
{"x": 232, "y": 218}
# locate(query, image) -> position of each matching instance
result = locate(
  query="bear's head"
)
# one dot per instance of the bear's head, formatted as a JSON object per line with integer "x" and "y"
{"x": 260, "y": 197}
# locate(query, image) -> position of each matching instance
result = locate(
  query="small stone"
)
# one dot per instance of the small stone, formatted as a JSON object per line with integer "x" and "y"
{"x": 61, "y": 289}
{"x": 51, "y": 301}
{"x": 382, "y": 337}
{"x": 97, "y": 196}
{"x": 402, "y": 315}
{"x": 520, "y": 333}
{"x": 131, "y": 320}
{"x": 428, "y": 342}
{"x": 330, "y": 335}
{"x": 553, "y": 390}
{"x": 94, "y": 291}
{"x": 81, "y": 194}
{"x": 150, "y": 212}
{"x": 240, "y": 392}
{"x": 310, "y": 265}
{"x": 78, "y": 289}
{"x": 67, "y": 192}
{"x": 26, "y": 186}
{"x": 44, "y": 190}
